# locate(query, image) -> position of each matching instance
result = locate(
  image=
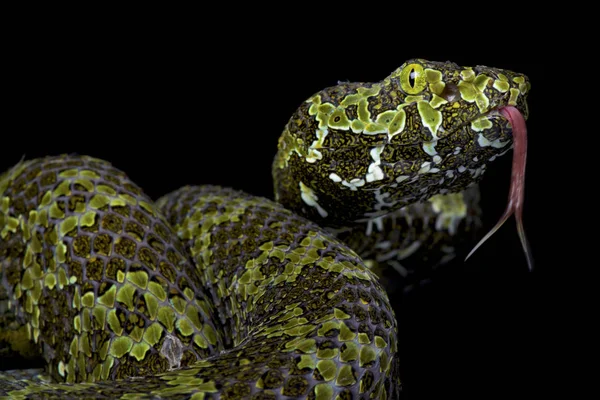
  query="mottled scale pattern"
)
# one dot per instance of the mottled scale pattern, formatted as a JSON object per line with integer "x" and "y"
{"x": 357, "y": 151}
{"x": 405, "y": 246}
{"x": 102, "y": 284}
{"x": 213, "y": 293}
{"x": 285, "y": 286}
{"x": 300, "y": 313}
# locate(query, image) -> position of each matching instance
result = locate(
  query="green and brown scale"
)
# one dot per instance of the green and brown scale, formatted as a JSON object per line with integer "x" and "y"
{"x": 358, "y": 151}
{"x": 107, "y": 290}
{"x": 213, "y": 293}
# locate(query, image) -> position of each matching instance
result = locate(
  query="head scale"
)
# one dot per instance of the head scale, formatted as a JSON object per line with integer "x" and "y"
{"x": 356, "y": 151}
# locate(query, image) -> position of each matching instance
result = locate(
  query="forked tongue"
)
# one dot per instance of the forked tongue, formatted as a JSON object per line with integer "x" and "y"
{"x": 517, "y": 182}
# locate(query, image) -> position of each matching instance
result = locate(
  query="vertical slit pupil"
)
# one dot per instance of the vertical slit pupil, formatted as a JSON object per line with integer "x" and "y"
{"x": 411, "y": 77}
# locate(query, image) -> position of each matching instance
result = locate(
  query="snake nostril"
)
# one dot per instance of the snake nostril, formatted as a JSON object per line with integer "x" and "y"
{"x": 450, "y": 93}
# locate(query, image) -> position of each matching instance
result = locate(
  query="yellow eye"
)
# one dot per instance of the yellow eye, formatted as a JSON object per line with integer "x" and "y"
{"x": 412, "y": 79}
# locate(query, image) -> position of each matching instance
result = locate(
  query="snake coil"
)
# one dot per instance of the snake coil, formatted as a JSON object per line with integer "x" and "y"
{"x": 213, "y": 293}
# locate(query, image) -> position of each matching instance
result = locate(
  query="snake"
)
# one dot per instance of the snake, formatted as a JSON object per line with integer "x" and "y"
{"x": 213, "y": 293}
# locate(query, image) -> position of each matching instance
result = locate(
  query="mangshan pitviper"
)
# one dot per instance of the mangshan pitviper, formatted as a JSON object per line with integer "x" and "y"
{"x": 211, "y": 293}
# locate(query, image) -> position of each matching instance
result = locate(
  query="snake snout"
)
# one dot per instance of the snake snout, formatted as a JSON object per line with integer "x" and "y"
{"x": 511, "y": 88}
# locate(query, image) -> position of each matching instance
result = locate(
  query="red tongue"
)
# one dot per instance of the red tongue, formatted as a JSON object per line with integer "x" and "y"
{"x": 517, "y": 182}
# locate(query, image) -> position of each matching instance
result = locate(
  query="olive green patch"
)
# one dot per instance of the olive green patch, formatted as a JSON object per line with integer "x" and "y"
{"x": 380, "y": 342}
{"x": 345, "y": 376}
{"x": 99, "y": 313}
{"x": 167, "y": 317}
{"x": 108, "y": 298}
{"x": 306, "y": 361}
{"x": 323, "y": 391}
{"x": 99, "y": 201}
{"x": 367, "y": 356}
{"x": 85, "y": 183}
{"x": 157, "y": 290}
{"x": 125, "y": 295}
{"x": 151, "y": 304}
{"x": 345, "y": 333}
{"x": 88, "y": 299}
{"x": 50, "y": 281}
{"x": 139, "y": 278}
{"x": 327, "y": 369}
{"x": 153, "y": 334}
{"x": 200, "y": 341}
{"x": 349, "y": 352}
{"x": 106, "y": 190}
{"x": 88, "y": 219}
{"x": 363, "y": 338}
{"x": 120, "y": 346}
{"x": 210, "y": 334}
{"x": 113, "y": 322}
{"x": 67, "y": 225}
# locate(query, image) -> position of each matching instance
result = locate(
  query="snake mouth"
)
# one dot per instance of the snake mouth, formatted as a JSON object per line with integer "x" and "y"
{"x": 517, "y": 183}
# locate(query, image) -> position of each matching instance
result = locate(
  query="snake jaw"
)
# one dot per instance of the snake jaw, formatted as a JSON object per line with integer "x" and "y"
{"x": 517, "y": 183}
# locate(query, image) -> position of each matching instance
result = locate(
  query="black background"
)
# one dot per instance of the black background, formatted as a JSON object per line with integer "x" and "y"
{"x": 172, "y": 111}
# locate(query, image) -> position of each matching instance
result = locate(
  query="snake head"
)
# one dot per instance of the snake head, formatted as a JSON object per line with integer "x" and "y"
{"x": 358, "y": 151}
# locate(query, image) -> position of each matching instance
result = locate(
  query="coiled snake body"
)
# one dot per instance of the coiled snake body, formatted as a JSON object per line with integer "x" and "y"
{"x": 213, "y": 293}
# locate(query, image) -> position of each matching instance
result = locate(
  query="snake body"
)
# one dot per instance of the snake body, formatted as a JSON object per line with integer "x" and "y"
{"x": 213, "y": 293}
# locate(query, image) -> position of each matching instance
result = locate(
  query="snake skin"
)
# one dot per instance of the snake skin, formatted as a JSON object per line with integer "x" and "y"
{"x": 358, "y": 151}
{"x": 213, "y": 293}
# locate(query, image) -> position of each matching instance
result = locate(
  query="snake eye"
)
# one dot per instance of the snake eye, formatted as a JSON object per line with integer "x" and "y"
{"x": 412, "y": 79}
